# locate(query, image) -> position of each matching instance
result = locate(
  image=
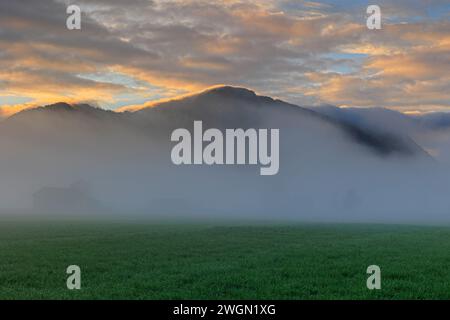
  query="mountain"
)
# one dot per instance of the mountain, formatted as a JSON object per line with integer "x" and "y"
{"x": 379, "y": 119}
{"x": 330, "y": 169}
{"x": 434, "y": 120}
{"x": 430, "y": 130}
{"x": 222, "y": 107}
{"x": 59, "y": 111}
{"x": 387, "y": 120}
{"x": 229, "y": 107}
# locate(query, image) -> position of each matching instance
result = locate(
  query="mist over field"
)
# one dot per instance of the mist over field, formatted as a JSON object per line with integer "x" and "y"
{"x": 336, "y": 164}
{"x": 74, "y": 159}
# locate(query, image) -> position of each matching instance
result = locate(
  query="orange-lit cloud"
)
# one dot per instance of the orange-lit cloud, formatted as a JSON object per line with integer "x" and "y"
{"x": 306, "y": 52}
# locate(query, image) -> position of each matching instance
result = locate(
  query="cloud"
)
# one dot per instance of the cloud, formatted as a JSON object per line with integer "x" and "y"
{"x": 408, "y": 69}
{"x": 8, "y": 110}
{"x": 289, "y": 49}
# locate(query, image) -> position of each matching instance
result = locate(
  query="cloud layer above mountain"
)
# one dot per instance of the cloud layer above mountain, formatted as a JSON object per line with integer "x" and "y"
{"x": 130, "y": 52}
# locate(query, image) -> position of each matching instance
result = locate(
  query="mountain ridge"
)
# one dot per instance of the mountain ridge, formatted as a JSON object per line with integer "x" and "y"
{"x": 224, "y": 106}
{"x": 126, "y": 157}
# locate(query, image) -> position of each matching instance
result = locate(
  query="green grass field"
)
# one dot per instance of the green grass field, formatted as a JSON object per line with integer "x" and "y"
{"x": 136, "y": 260}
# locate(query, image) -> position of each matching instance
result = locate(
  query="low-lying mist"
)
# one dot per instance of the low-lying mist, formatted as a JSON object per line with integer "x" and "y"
{"x": 81, "y": 160}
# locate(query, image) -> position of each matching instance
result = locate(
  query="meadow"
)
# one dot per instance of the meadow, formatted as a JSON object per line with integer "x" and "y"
{"x": 156, "y": 260}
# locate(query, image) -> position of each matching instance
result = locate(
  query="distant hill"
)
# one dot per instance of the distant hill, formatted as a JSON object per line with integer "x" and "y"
{"x": 430, "y": 130}
{"x": 330, "y": 168}
{"x": 239, "y": 107}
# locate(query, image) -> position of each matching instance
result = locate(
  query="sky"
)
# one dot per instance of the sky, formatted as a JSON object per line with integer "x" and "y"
{"x": 130, "y": 53}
